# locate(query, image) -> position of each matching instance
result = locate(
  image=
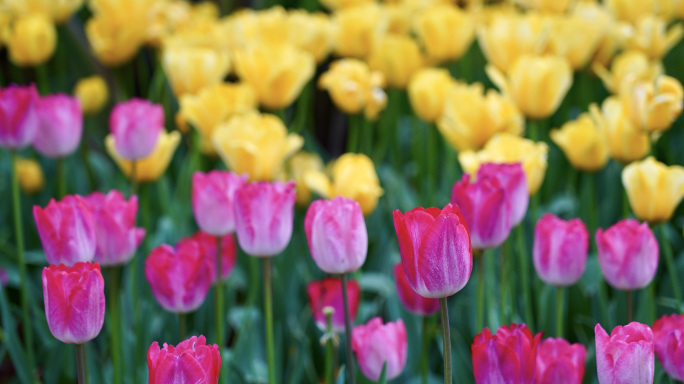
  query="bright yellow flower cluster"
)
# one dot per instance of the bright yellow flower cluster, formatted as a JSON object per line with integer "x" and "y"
{"x": 354, "y": 87}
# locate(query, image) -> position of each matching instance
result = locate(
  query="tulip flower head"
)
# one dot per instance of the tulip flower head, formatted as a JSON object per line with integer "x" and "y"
{"x": 190, "y": 69}
{"x": 30, "y": 174}
{"x": 18, "y": 116}
{"x": 296, "y": 168}
{"x": 650, "y": 35}
{"x": 513, "y": 179}
{"x": 136, "y": 125}
{"x": 626, "y": 142}
{"x": 60, "y": 125}
{"x": 33, "y": 40}
{"x": 328, "y": 293}
{"x": 445, "y": 32}
{"x": 358, "y": 28}
{"x": 652, "y": 105}
{"x": 397, "y": 57}
{"x": 92, "y": 93}
{"x": 376, "y": 344}
{"x": 626, "y": 356}
{"x": 207, "y": 244}
{"x": 582, "y": 143}
{"x": 152, "y": 167}
{"x": 191, "y": 359}
{"x": 412, "y": 301}
{"x": 213, "y": 195}
{"x": 560, "y": 362}
{"x": 668, "y": 332}
{"x": 654, "y": 190}
{"x": 354, "y": 87}
{"x": 427, "y": 92}
{"x": 628, "y": 64}
{"x": 560, "y": 250}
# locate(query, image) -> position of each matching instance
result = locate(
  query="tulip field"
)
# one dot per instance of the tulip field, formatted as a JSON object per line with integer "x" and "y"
{"x": 341, "y": 191}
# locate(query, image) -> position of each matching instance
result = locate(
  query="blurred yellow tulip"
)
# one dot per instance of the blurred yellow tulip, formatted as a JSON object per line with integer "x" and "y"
{"x": 632, "y": 10}
{"x": 59, "y": 11}
{"x": 445, "y": 32}
{"x": 255, "y": 144}
{"x": 113, "y": 43}
{"x": 552, "y": 6}
{"x": 654, "y": 189}
{"x": 353, "y": 87}
{"x": 352, "y": 175}
{"x": 398, "y": 57}
{"x": 625, "y": 142}
{"x": 399, "y": 18}
{"x": 651, "y": 36}
{"x": 537, "y": 84}
{"x": 93, "y": 94}
{"x": 471, "y": 117}
{"x": 583, "y": 143}
{"x": 427, "y": 92}
{"x": 632, "y": 63}
{"x": 357, "y": 28}
{"x": 33, "y": 40}
{"x": 205, "y": 33}
{"x": 214, "y": 105}
{"x": 30, "y": 175}
{"x": 508, "y": 36}
{"x": 153, "y": 166}
{"x": 188, "y": 70}
{"x": 314, "y": 33}
{"x": 652, "y": 105}
{"x": 577, "y": 37}
{"x": 277, "y": 73}
{"x": 508, "y": 149}
{"x": 296, "y": 168}
{"x": 334, "y": 5}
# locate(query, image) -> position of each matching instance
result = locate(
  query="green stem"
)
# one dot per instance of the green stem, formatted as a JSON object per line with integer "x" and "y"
{"x": 86, "y": 163}
{"x": 182, "y": 325}
{"x": 329, "y": 349}
{"x": 629, "y": 306}
{"x": 303, "y": 108}
{"x": 431, "y": 166}
{"x": 424, "y": 355}
{"x": 268, "y": 310}
{"x": 115, "y": 323}
{"x": 61, "y": 180}
{"x": 23, "y": 274}
{"x": 480, "y": 293}
{"x": 219, "y": 305}
{"x": 81, "y": 364}
{"x": 523, "y": 258}
{"x": 253, "y": 293}
{"x": 446, "y": 339}
{"x": 134, "y": 177}
{"x": 503, "y": 286}
{"x": 43, "y": 79}
{"x": 560, "y": 303}
{"x": 669, "y": 263}
{"x": 347, "y": 331}
{"x": 590, "y": 180}
{"x": 353, "y": 133}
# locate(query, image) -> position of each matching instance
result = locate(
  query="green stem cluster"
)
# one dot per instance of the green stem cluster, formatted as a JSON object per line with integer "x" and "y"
{"x": 446, "y": 340}
{"x": 268, "y": 310}
{"x": 347, "y": 331}
{"x": 115, "y": 324}
{"x": 219, "y": 303}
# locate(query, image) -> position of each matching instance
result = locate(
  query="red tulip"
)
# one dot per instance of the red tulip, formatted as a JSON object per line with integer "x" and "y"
{"x": 264, "y": 213}
{"x": 412, "y": 301}
{"x": 337, "y": 236}
{"x": 376, "y": 344}
{"x": 559, "y": 362}
{"x": 74, "y": 301}
{"x": 627, "y": 254}
{"x": 560, "y": 250}
{"x": 668, "y": 332}
{"x": 328, "y": 293}
{"x": 60, "y": 125}
{"x": 116, "y": 235}
{"x": 179, "y": 278}
{"x": 487, "y": 210}
{"x": 626, "y": 356}
{"x": 508, "y": 356}
{"x": 435, "y": 250}
{"x": 513, "y": 179}
{"x": 18, "y": 119}
{"x": 207, "y": 244}
{"x": 212, "y": 200}
{"x": 136, "y": 125}
{"x": 192, "y": 361}
{"x": 66, "y": 230}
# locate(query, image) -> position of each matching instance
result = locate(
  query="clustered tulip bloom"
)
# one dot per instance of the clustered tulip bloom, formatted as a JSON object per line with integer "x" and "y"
{"x": 668, "y": 332}
{"x": 18, "y": 115}
{"x": 136, "y": 126}
{"x": 60, "y": 125}
{"x": 328, "y": 293}
{"x": 376, "y": 344}
{"x": 207, "y": 244}
{"x": 192, "y": 360}
{"x": 560, "y": 362}
{"x": 626, "y": 356}
{"x": 213, "y": 194}
{"x": 560, "y": 250}
{"x": 412, "y": 301}
{"x": 654, "y": 189}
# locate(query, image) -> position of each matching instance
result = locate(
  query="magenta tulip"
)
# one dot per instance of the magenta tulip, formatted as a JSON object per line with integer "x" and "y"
{"x": 435, "y": 250}
{"x": 559, "y": 362}
{"x": 668, "y": 333}
{"x": 412, "y": 301}
{"x": 207, "y": 244}
{"x": 18, "y": 119}
{"x": 560, "y": 250}
{"x": 213, "y": 196}
{"x": 375, "y": 344}
{"x": 328, "y": 293}
{"x": 337, "y": 236}
{"x": 626, "y": 356}
{"x": 628, "y": 254}
{"x": 74, "y": 301}
{"x": 60, "y": 125}
{"x": 136, "y": 125}
{"x": 66, "y": 230}
{"x": 513, "y": 179}
{"x": 191, "y": 361}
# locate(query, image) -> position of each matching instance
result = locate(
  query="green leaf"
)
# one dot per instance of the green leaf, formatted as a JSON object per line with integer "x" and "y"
{"x": 11, "y": 341}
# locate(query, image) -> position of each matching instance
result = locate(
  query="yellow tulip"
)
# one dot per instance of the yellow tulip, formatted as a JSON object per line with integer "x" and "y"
{"x": 537, "y": 84}
{"x": 205, "y": 33}
{"x": 353, "y": 176}
{"x": 214, "y": 105}
{"x": 509, "y": 149}
{"x": 472, "y": 117}
{"x": 654, "y": 189}
{"x": 612, "y": 42}
{"x": 33, "y": 40}
{"x": 353, "y": 87}
{"x": 552, "y": 6}
{"x": 398, "y": 57}
{"x": 314, "y": 33}
{"x": 427, "y": 92}
{"x": 269, "y": 26}
{"x": 277, "y": 73}
{"x": 255, "y": 144}
{"x": 93, "y": 94}
{"x": 344, "y": 4}
{"x": 445, "y": 32}
{"x": 191, "y": 69}
{"x": 632, "y": 10}
{"x": 577, "y": 37}
{"x": 153, "y": 166}
{"x": 583, "y": 143}
{"x": 169, "y": 17}
{"x": 114, "y": 42}
{"x": 357, "y": 28}
{"x": 651, "y": 36}
{"x": 652, "y": 105}
{"x": 625, "y": 142}
{"x": 399, "y": 18}
{"x": 30, "y": 175}
{"x": 59, "y": 11}
{"x": 297, "y": 167}
{"x": 632, "y": 63}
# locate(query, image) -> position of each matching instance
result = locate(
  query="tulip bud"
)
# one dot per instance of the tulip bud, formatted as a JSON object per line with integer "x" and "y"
{"x": 74, "y": 301}
{"x": 375, "y": 345}
{"x": 628, "y": 254}
{"x": 560, "y": 250}
{"x": 560, "y": 362}
{"x": 626, "y": 356}
{"x": 212, "y": 200}
{"x": 668, "y": 332}
{"x": 353, "y": 87}
{"x": 115, "y": 42}
{"x": 397, "y": 57}
{"x": 512, "y": 178}
{"x": 191, "y": 358}
{"x": 412, "y": 301}
{"x": 18, "y": 116}
{"x": 30, "y": 174}
{"x": 328, "y": 293}
{"x": 435, "y": 250}
{"x": 92, "y": 93}
{"x": 190, "y": 69}
{"x": 652, "y": 106}
{"x": 582, "y": 143}
{"x": 136, "y": 125}
{"x": 427, "y": 92}
{"x": 654, "y": 189}
{"x": 626, "y": 143}
{"x": 445, "y": 32}
{"x": 151, "y": 167}
{"x": 60, "y": 125}
{"x": 33, "y": 40}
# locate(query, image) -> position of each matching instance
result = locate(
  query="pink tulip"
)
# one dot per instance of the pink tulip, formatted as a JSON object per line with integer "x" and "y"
{"x": 486, "y": 208}
{"x": 191, "y": 361}
{"x": 668, "y": 332}
{"x": 74, "y": 301}
{"x": 263, "y": 217}
{"x": 66, "y": 230}
{"x": 337, "y": 236}
{"x": 207, "y": 244}
{"x": 512, "y": 177}
{"x": 626, "y": 356}
{"x": 435, "y": 250}
{"x": 412, "y": 301}
{"x": 60, "y": 125}
{"x": 627, "y": 254}
{"x": 18, "y": 119}
{"x": 212, "y": 200}
{"x": 375, "y": 344}
{"x": 179, "y": 278}
{"x": 560, "y": 250}
{"x": 116, "y": 235}
{"x": 136, "y": 125}
{"x": 559, "y": 362}
{"x": 328, "y": 293}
